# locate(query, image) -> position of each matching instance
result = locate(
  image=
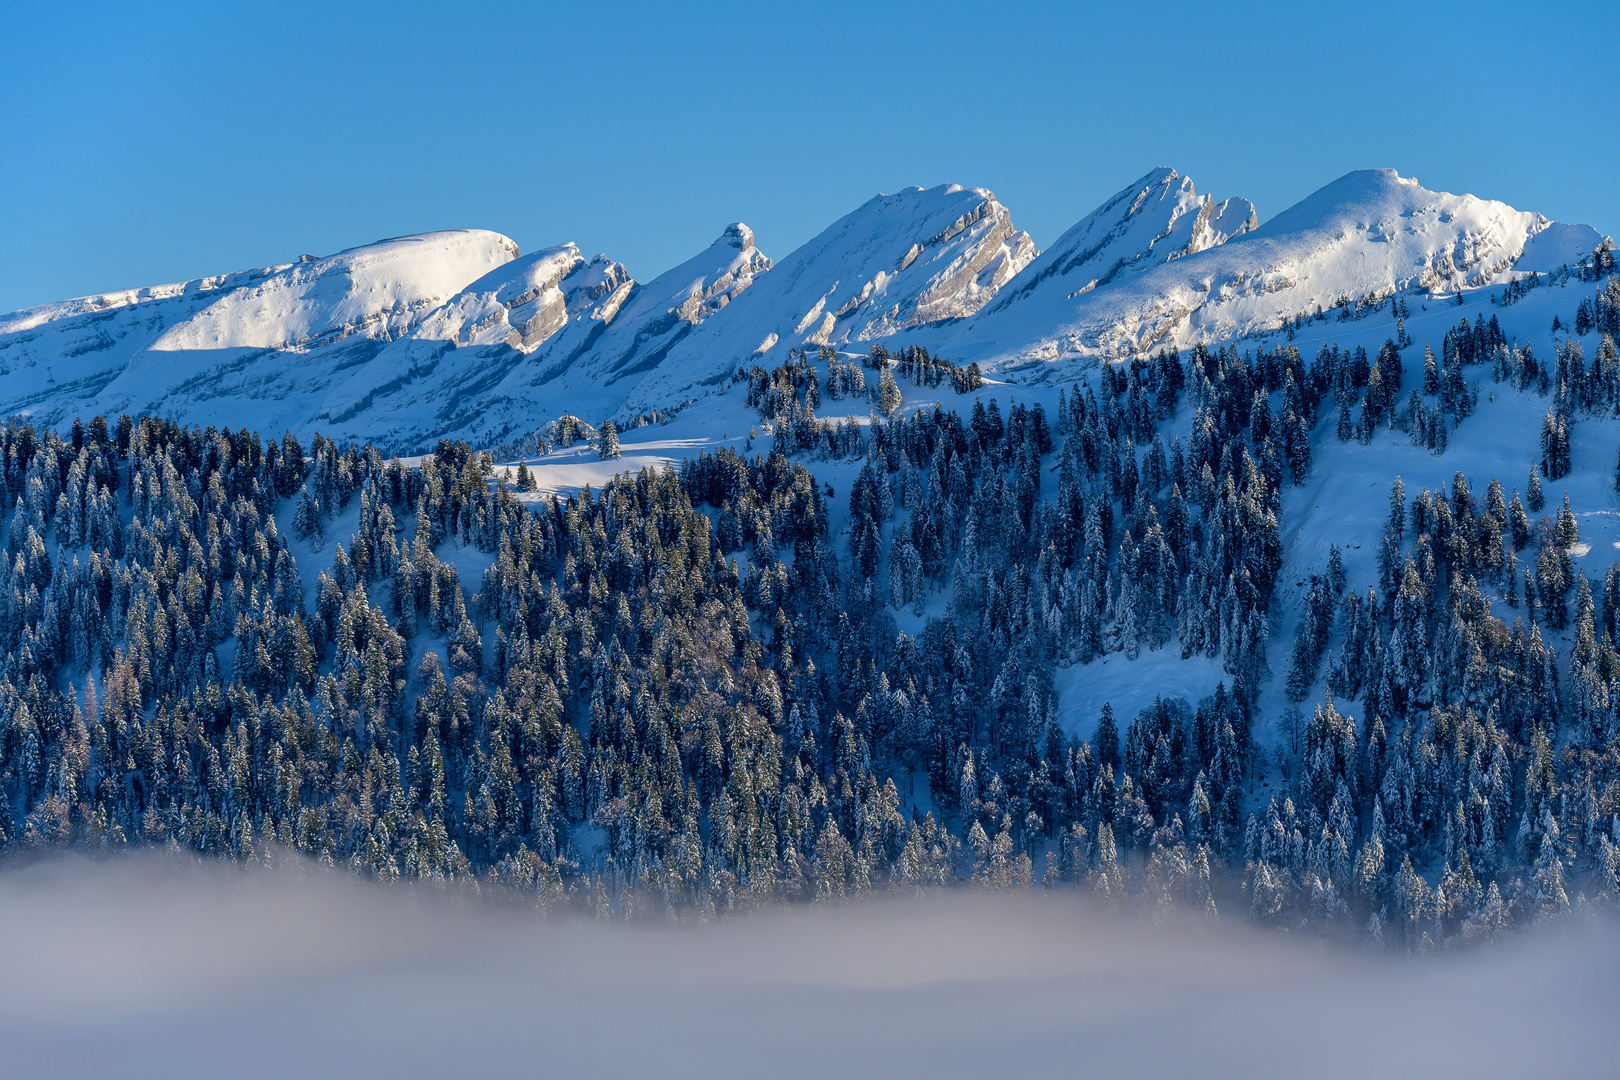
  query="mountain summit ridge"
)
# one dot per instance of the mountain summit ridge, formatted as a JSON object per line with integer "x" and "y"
{"x": 456, "y": 333}
{"x": 1370, "y": 232}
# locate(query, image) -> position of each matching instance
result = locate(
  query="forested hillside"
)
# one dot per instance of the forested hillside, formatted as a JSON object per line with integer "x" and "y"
{"x": 728, "y": 684}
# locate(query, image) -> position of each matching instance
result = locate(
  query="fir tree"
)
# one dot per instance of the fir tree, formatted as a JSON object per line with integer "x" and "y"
{"x": 307, "y": 520}
{"x": 888, "y": 393}
{"x": 1107, "y": 738}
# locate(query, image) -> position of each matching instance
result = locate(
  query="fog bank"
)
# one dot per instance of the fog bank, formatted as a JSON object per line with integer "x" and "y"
{"x": 138, "y": 967}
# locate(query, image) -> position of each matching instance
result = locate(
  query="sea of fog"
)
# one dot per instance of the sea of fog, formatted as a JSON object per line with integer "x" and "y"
{"x": 152, "y": 967}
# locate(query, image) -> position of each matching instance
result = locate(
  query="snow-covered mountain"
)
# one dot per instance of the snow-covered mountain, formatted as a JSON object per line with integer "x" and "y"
{"x": 602, "y": 331}
{"x": 455, "y": 334}
{"x": 410, "y": 340}
{"x": 251, "y": 346}
{"x": 1158, "y": 218}
{"x": 399, "y": 341}
{"x": 1369, "y": 233}
{"x": 897, "y": 262}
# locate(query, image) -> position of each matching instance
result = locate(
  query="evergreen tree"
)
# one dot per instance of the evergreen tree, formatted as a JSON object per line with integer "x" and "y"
{"x": 308, "y": 522}
{"x": 1107, "y": 738}
{"x": 888, "y": 393}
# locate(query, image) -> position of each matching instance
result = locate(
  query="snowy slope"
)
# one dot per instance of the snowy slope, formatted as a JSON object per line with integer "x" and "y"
{"x": 1345, "y": 501}
{"x": 56, "y": 358}
{"x": 1557, "y": 245}
{"x": 898, "y": 261}
{"x": 377, "y": 291}
{"x": 470, "y": 343}
{"x": 520, "y": 304}
{"x": 1368, "y": 233}
{"x": 203, "y": 349}
{"x": 601, "y": 327}
{"x": 1158, "y": 218}
{"x": 658, "y": 314}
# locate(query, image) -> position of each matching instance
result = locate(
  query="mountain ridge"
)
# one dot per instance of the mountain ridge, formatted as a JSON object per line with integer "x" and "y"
{"x": 456, "y": 333}
{"x": 1371, "y": 232}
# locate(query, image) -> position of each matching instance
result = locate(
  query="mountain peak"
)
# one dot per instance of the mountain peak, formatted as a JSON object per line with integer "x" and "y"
{"x": 1380, "y": 176}
{"x": 1369, "y": 233}
{"x": 917, "y": 256}
{"x": 1158, "y": 217}
{"x": 737, "y": 235}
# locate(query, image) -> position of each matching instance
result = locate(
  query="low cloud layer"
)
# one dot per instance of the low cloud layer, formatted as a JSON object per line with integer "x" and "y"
{"x": 137, "y": 967}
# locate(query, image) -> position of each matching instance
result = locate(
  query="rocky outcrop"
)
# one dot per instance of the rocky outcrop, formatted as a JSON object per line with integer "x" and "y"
{"x": 1158, "y": 218}
{"x": 897, "y": 262}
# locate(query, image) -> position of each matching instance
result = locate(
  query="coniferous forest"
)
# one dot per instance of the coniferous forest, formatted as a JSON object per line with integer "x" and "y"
{"x": 654, "y": 540}
{"x": 688, "y": 692}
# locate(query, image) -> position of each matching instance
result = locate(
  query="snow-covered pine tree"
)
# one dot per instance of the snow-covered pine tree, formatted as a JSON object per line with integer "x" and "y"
{"x": 888, "y": 394}
{"x": 607, "y": 445}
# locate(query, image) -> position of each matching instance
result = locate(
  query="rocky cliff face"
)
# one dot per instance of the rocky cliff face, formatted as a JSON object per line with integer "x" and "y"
{"x": 523, "y": 303}
{"x": 1158, "y": 218}
{"x": 897, "y": 262}
{"x": 603, "y": 332}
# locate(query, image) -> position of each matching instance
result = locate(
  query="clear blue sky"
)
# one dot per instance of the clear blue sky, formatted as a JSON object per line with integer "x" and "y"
{"x": 146, "y": 144}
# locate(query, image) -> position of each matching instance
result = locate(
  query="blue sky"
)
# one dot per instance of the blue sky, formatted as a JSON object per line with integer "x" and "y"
{"x": 147, "y": 144}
